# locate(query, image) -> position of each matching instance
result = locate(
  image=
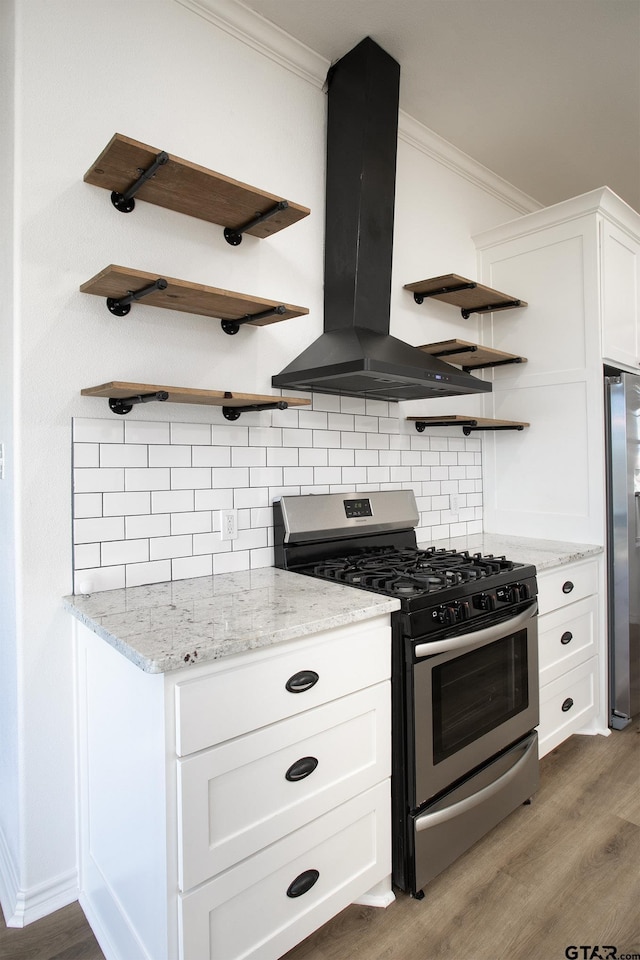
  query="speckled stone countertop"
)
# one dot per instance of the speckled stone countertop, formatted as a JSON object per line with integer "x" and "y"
{"x": 544, "y": 554}
{"x": 166, "y": 626}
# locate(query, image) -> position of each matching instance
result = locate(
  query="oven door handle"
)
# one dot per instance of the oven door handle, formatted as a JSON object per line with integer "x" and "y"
{"x": 478, "y": 638}
{"x": 436, "y": 817}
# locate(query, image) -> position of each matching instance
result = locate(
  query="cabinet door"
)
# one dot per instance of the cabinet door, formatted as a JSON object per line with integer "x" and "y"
{"x": 262, "y": 907}
{"x": 242, "y": 795}
{"x": 620, "y": 297}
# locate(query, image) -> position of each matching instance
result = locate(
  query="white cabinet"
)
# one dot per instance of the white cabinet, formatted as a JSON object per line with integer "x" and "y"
{"x": 231, "y": 808}
{"x": 568, "y": 651}
{"x": 620, "y": 296}
{"x": 577, "y": 264}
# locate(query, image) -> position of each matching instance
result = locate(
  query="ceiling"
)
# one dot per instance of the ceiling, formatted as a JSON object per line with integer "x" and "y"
{"x": 545, "y": 93}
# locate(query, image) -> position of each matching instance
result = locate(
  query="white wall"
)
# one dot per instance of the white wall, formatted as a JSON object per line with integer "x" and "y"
{"x": 155, "y": 71}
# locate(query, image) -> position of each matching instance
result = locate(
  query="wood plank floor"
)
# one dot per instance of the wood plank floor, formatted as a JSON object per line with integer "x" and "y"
{"x": 563, "y": 871}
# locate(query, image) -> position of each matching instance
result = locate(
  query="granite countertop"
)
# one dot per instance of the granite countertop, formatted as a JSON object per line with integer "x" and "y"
{"x": 166, "y": 626}
{"x": 544, "y": 554}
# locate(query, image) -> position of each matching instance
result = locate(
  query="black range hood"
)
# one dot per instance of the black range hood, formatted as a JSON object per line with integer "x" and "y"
{"x": 356, "y": 355}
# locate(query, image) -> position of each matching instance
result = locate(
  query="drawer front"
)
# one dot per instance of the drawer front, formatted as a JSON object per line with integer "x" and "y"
{"x": 567, "y": 704}
{"x": 240, "y": 796}
{"x": 566, "y": 638}
{"x": 247, "y": 912}
{"x": 557, "y": 588}
{"x": 252, "y": 694}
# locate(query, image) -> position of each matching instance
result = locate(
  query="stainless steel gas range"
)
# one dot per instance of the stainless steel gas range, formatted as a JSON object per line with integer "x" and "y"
{"x": 464, "y": 667}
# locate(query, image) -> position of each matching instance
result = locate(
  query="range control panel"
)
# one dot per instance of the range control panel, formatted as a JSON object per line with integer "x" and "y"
{"x": 357, "y": 508}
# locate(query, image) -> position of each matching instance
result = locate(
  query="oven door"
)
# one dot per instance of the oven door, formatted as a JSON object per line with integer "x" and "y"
{"x": 474, "y": 694}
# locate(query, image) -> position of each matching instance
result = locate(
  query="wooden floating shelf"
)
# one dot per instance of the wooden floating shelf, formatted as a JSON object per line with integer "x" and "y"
{"x": 470, "y": 296}
{"x": 128, "y": 167}
{"x": 117, "y": 283}
{"x": 468, "y": 424}
{"x": 470, "y": 356}
{"x": 123, "y": 396}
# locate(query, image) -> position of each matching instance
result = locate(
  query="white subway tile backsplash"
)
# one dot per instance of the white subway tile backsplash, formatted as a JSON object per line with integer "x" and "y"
{"x": 123, "y": 455}
{"x": 197, "y": 522}
{"x": 87, "y": 505}
{"x": 97, "y": 579}
{"x": 247, "y": 456}
{"x": 86, "y": 454}
{"x": 125, "y": 504}
{"x": 86, "y": 555}
{"x": 191, "y": 478}
{"x": 153, "y": 478}
{"x": 139, "y": 431}
{"x": 98, "y": 529}
{"x": 98, "y": 431}
{"x": 124, "y": 551}
{"x": 191, "y": 433}
{"x": 249, "y": 497}
{"x": 95, "y": 480}
{"x": 138, "y": 574}
{"x": 163, "y": 547}
{"x": 230, "y": 477}
{"x": 212, "y": 499}
{"x": 216, "y": 456}
{"x": 185, "y": 567}
{"x": 173, "y": 501}
{"x": 176, "y": 455}
{"x": 147, "y": 494}
{"x": 297, "y": 438}
{"x": 151, "y": 525}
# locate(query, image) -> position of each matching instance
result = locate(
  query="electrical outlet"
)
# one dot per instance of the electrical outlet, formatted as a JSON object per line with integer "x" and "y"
{"x": 228, "y": 524}
{"x": 454, "y": 503}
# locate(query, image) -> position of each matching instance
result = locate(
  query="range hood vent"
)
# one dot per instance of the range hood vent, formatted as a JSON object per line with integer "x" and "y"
{"x": 356, "y": 356}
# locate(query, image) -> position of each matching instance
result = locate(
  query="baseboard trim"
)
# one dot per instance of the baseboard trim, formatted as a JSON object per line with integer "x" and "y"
{"x": 22, "y": 906}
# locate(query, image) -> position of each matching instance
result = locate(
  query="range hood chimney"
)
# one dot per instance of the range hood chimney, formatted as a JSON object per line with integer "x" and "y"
{"x": 356, "y": 356}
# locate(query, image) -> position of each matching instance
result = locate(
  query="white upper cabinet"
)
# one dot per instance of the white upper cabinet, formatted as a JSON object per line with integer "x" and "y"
{"x": 577, "y": 264}
{"x": 620, "y": 296}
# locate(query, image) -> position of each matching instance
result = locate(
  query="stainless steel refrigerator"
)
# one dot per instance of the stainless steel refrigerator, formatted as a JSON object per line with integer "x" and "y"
{"x": 622, "y": 393}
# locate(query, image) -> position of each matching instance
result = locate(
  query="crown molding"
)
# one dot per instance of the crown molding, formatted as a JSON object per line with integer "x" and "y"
{"x": 250, "y": 28}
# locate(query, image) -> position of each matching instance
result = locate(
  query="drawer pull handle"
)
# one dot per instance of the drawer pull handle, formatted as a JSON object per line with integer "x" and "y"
{"x": 568, "y": 703}
{"x": 301, "y": 768}
{"x": 301, "y": 681}
{"x": 567, "y": 586}
{"x": 302, "y": 883}
{"x": 566, "y": 637}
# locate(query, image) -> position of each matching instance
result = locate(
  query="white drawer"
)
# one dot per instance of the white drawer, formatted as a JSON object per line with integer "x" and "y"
{"x": 235, "y": 798}
{"x": 557, "y": 588}
{"x": 246, "y": 912}
{"x": 254, "y": 693}
{"x": 566, "y": 638}
{"x": 567, "y": 704}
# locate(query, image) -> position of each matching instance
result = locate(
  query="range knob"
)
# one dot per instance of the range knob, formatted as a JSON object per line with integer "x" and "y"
{"x": 484, "y": 601}
{"x": 447, "y": 614}
{"x": 517, "y": 592}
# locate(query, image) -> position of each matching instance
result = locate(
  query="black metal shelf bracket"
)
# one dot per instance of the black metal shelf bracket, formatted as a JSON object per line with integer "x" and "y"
{"x": 232, "y": 326}
{"x": 493, "y": 363}
{"x": 488, "y": 307}
{"x": 467, "y": 425}
{"x": 421, "y": 425}
{"x": 233, "y": 413}
{"x": 451, "y": 353}
{"x": 120, "y": 306}
{"x": 233, "y": 235}
{"x": 124, "y": 202}
{"x": 419, "y": 297}
{"x": 124, "y": 405}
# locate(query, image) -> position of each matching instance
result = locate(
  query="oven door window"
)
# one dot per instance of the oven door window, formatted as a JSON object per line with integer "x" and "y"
{"x": 476, "y": 692}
